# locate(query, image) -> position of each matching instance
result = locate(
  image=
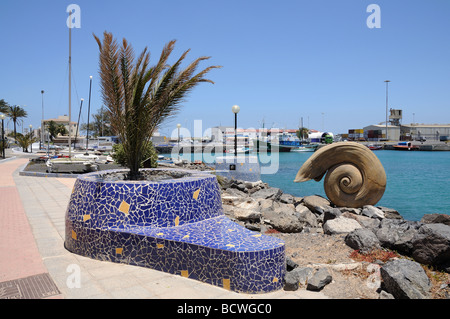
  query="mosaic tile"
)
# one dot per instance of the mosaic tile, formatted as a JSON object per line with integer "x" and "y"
{"x": 176, "y": 226}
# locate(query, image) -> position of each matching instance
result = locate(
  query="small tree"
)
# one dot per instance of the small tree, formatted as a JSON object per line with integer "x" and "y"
{"x": 140, "y": 97}
{"x": 52, "y": 130}
{"x": 26, "y": 140}
{"x": 302, "y": 132}
{"x": 149, "y": 154}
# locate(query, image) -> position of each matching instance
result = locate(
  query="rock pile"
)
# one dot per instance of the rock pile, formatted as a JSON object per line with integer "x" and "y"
{"x": 260, "y": 207}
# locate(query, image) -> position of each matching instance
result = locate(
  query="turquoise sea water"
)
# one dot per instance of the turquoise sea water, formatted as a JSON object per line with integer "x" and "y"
{"x": 418, "y": 183}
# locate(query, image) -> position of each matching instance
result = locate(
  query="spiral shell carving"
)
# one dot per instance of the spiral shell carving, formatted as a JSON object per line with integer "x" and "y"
{"x": 354, "y": 175}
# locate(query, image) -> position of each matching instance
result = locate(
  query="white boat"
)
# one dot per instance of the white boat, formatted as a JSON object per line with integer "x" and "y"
{"x": 89, "y": 157}
{"x": 305, "y": 148}
{"x": 239, "y": 150}
{"x": 70, "y": 165}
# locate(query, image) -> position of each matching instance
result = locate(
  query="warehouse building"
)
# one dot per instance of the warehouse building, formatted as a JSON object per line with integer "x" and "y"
{"x": 429, "y": 132}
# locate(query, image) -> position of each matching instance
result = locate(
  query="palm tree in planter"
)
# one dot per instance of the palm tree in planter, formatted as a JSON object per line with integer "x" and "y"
{"x": 140, "y": 97}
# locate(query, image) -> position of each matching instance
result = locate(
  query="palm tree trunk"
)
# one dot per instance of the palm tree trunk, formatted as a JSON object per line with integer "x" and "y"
{"x": 15, "y": 134}
{"x": 134, "y": 173}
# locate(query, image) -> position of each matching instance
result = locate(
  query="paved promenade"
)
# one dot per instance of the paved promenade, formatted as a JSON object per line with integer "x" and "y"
{"x": 35, "y": 264}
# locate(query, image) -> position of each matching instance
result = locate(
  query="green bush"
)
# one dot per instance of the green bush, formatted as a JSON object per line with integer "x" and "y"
{"x": 149, "y": 153}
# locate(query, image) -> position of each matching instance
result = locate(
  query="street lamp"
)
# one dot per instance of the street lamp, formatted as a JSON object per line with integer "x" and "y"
{"x": 387, "y": 82}
{"x": 235, "y": 110}
{"x": 31, "y": 138}
{"x": 89, "y": 110}
{"x": 2, "y": 117}
{"x": 41, "y": 140}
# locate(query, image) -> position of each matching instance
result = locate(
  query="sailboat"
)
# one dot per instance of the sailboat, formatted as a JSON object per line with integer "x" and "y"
{"x": 72, "y": 164}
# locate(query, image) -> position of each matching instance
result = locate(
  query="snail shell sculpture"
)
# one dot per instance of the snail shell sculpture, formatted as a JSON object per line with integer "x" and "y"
{"x": 355, "y": 175}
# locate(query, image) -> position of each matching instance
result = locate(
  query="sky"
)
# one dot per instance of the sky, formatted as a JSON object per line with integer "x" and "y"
{"x": 282, "y": 61}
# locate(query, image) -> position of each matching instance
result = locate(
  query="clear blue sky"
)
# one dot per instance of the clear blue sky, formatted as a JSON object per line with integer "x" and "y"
{"x": 282, "y": 60}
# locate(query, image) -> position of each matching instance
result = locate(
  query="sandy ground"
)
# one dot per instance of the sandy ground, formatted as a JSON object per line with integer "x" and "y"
{"x": 350, "y": 278}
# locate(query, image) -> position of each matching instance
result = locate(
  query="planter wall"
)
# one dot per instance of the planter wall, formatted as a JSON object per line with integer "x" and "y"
{"x": 174, "y": 225}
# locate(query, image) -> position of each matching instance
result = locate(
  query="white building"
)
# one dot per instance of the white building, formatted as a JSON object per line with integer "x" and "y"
{"x": 377, "y": 132}
{"x": 433, "y": 132}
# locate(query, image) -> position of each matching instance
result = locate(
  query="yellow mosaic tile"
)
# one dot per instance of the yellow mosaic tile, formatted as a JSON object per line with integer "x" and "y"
{"x": 196, "y": 193}
{"x": 159, "y": 246}
{"x": 226, "y": 284}
{"x": 86, "y": 217}
{"x": 119, "y": 251}
{"x": 177, "y": 220}
{"x": 74, "y": 235}
{"x": 185, "y": 273}
{"x": 124, "y": 207}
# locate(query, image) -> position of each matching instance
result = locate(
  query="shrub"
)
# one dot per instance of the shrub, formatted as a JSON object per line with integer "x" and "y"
{"x": 149, "y": 153}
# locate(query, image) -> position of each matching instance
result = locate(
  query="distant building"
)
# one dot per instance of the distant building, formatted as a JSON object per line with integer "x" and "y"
{"x": 408, "y": 132}
{"x": 432, "y": 132}
{"x": 378, "y": 132}
{"x": 64, "y": 120}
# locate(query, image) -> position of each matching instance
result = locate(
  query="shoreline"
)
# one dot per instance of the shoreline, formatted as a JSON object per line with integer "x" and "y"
{"x": 425, "y": 146}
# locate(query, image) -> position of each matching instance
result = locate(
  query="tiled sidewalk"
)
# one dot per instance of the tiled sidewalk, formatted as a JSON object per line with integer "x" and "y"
{"x": 19, "y": 255}
{"x": 32, "y": 222}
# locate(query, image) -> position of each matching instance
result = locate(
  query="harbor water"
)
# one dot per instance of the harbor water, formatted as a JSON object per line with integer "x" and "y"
{"x": 418, "y": 183}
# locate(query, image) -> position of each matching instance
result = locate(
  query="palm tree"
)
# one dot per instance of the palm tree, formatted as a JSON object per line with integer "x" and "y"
{"x": 4, "y": 107}
{"x": 15, "y": 112}
{"x": 140, "y": 97}
{"x": 26, "y": 140}
{"x": 55, "y": 129}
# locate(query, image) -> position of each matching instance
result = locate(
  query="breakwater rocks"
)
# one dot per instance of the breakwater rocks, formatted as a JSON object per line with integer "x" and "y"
{"x": 316, "y": 222}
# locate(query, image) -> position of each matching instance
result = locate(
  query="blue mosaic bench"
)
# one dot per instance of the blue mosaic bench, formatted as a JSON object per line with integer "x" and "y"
{"x": 174, "y": 225}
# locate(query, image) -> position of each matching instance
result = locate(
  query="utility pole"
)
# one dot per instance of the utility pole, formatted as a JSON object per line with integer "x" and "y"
{"x": 42, "y": 123}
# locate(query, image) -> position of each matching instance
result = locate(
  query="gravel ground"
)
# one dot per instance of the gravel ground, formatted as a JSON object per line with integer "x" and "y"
{"x": 319, "y": 250}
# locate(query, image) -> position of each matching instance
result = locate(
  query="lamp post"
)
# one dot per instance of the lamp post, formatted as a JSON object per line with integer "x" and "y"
{"x": 78, "y": 122}
{"x": 42, "y": 123}
{"x": 31, "y": 138}
{"x": 387, "y": 82}
{"x": 235, "y": 110}
{"x": 89, "y": 110}
{"x": 2, "y": 116}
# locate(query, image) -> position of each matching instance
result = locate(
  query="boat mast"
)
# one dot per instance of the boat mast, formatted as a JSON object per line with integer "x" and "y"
{"x": 70, "y": 67}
